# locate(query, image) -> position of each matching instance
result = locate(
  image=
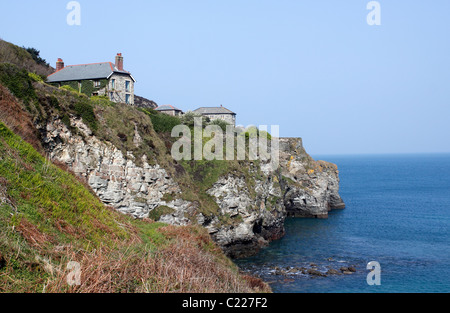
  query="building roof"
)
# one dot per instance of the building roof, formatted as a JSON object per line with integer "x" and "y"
{"x": 167, "y": 107}
{"x": 214, "y": 110}
{"x": 85, "y": 71}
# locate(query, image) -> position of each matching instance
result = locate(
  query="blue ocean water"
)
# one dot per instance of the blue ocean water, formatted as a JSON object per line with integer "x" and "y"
{"x": 398, "y": 214}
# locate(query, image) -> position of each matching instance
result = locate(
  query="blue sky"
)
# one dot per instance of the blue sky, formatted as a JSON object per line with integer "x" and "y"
{"x": 316, "y": 68}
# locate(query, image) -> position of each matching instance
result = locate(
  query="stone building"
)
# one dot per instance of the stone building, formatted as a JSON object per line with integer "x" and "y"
{"x": 97, "y": 79}
{"x": 169, "y": 109}
{"x": 218, "y": 113}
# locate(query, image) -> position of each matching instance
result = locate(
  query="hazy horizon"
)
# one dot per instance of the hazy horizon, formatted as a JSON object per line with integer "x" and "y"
{"x": 316, "y": 68}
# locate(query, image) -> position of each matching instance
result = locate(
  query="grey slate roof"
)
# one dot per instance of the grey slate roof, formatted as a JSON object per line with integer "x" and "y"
{"x": 214, "y": 110}
{"x": 167, "y": 107}
{"x": 85, "y": 71}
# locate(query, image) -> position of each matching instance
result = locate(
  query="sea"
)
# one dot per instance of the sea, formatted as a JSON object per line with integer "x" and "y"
{"x": 397, "y": 215}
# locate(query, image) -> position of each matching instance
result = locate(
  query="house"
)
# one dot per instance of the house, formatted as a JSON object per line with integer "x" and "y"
{"x": 169, "y": 109}
{"x": 95, "y": 79}
{"x": 218, "y": 113}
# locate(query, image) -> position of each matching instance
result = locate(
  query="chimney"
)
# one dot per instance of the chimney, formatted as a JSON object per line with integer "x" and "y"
{"x": 59, "y": 64}
{"x": 119, "y": 61}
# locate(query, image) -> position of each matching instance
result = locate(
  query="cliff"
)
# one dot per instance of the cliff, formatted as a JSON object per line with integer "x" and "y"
{"x": 242, "y": 206}
{"x": 116, "y": 151}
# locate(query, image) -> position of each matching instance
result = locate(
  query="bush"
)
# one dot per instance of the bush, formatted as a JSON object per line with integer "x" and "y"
{"x": 85, "y": 110}
{"x": 102, "y": 100}
{"x": 35, "y": 77}
{"x": 68, "y": 88}
{"x": 222, "y": 124}
{"x": 18, "y": 81}
{"x": 253, "y": 131}
{"x": 162, "y": 123}
{"x": 188, "y": 119}
{"x": 36, "y": 57}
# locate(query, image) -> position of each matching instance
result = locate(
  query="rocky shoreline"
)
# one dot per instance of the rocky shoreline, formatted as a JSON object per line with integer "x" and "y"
{"x": 313, "y": 270}
{"x": 309, "y": 270}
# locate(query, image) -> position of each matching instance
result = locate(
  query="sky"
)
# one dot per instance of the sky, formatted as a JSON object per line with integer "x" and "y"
{"x": 316, "y": 68}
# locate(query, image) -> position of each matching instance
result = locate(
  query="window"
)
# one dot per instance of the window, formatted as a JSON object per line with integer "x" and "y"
{"x": 111, "y": 96}
{"x": 127, "y": 99}
{"x": 127, "y": 86}
{"x": 97, "y": 83}
{"x": 113, "y": 83}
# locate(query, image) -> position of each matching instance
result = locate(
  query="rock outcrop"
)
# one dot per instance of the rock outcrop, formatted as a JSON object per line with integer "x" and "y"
{"x": 114, "y": 177}
{"x": 142, "y": 102}
{"x": 258, "y": 221}
{"x": 311, "y": 187}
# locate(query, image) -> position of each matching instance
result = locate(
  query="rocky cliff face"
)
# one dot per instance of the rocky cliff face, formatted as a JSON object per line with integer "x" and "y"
{"x": 312, "y": 187}
{"x": 259, "y": 221}
{"x": 252, "y": 210}
{"x": 115, "y": 177}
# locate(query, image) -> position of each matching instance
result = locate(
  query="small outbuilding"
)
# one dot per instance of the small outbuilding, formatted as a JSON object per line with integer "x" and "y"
{"x": 218, "y": 113}
{"x": 169, "y": 109}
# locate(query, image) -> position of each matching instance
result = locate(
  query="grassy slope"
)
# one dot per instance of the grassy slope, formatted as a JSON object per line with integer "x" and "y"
{"x": 48, "y": 218}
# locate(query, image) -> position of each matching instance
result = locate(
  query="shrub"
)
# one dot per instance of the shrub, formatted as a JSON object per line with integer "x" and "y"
{"x": 188, "y": 119}
{"x": 222, "y": 124}
{"x": 162, "y": 123}
{"x": 35, "y": 77}
{"x": 18, "y": 81}
{"x": 160, "y": 211}
{"x": 68, "y": 88}
{"x": 85, "y": 110}
{"x": 253, "y": 131}
{"x": 102, "y": 101}
{"x": 36, "y": 57}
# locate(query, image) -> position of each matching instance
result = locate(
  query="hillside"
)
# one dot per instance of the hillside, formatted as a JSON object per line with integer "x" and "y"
{"x": 48, "y": 218}
{"x": 121, "y": 154}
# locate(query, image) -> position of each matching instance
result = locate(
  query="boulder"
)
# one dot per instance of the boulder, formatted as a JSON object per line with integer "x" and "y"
{"x": 352, "y": 269}
{"x": 332, "y": 271}
{"x": 314, "y": 272}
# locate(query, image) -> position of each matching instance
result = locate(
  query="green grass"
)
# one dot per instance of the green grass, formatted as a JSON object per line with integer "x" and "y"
{"x": 45, "y": 194}
{"x": 49, "y": 203}
{"x": 151, "y": 235}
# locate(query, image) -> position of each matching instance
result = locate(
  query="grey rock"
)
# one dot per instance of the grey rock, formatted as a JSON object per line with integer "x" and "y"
{"x": 315, "y": 272}
{"x": 333, "y": 272}
{"x": 352, "y": 269}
